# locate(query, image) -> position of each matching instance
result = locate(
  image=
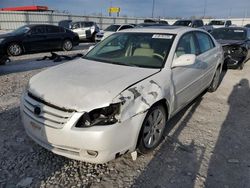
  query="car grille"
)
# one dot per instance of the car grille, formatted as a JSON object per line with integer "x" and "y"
{"x": 43, "y": 113}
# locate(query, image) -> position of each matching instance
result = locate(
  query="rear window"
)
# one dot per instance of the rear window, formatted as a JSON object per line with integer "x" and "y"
{"x": 112, "y": 28}
{"x": 183, "y": 23}
{"x": 229, "y": 34}
{"x": 53, "y": 29}
{"x": 216, "y": 22}
{"x": 87, "y": 24}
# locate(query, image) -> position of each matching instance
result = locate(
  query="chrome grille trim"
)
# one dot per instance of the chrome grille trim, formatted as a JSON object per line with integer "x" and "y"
{"x": 52, "y": 117}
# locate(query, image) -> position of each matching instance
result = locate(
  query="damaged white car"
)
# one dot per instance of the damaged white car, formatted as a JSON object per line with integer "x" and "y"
{"x": 118, "y": 98}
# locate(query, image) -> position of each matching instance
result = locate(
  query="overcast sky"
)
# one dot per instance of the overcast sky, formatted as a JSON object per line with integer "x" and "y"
{"x": 143, "y": 8}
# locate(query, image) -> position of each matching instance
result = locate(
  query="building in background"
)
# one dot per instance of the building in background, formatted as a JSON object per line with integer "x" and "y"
{"x": 26, "y": 8}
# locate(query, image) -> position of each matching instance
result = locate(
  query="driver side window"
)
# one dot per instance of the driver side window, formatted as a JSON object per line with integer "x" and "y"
{"x": 186, "y": 45}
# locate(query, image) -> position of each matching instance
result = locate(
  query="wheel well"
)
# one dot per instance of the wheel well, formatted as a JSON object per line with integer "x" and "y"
{"x": 162, "y": 102}
{"x": 67, "y": 39}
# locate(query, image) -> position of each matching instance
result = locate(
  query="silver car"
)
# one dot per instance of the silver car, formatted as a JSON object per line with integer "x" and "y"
{"x": 85, "y": 29}
{"x": 118, "y": 98}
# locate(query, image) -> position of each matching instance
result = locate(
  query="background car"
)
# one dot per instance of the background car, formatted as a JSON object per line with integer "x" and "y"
{"x": 112, "y": 29}
{"x": 195, "y": 23}
{"x": 85, "y": 30}
{"x": 236, "y": 44}
{"x": 220, "y": 23}
{"x": 189, "y": 23}
{"x": 248, "y": 25}
{"x": 160, "y": 21}
{"x": 37, "y": 38}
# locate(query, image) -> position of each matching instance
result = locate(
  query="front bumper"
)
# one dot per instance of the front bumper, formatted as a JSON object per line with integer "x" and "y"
{"x": 108, "y": 141}
{"x": 98, "y": 38}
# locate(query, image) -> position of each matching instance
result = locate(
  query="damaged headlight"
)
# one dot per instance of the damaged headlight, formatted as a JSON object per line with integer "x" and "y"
{"x": 100, "y": 116}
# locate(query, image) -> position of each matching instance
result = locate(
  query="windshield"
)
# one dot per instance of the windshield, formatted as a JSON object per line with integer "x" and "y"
{"x": 183, "y": 23}
{"x": 229, "y": 34}
{"x": 112, "y": 28}
{"x": 21, "y": 30}
{"x": 146, "y": 50}
{"x": 216, "y": 22}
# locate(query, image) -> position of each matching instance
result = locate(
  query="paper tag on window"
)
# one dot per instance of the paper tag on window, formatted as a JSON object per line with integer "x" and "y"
{"x": 161, "y": 36}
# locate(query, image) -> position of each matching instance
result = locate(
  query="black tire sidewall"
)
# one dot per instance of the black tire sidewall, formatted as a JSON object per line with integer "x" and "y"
{"x": 141, "y": 145}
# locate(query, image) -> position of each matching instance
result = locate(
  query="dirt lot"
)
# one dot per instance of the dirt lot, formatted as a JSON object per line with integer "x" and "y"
{"x": 206, "y": 145}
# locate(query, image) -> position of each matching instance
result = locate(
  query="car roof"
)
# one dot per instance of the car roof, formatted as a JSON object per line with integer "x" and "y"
{"x": 189, "y": 20}
{"x": 162, "y": 29}
{"x": 220, "y": 20}
{"x": 33, "y": 25}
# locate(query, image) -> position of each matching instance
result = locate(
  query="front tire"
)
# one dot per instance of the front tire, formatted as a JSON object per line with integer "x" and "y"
{"x": 14, "y": 49}
{"x": 152, "y": 129}
{"x": 67, "y": 45}
{"x": 215, "y": 82}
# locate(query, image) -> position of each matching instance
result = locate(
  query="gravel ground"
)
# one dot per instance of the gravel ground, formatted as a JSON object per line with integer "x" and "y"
{"x": 206, "y": 144}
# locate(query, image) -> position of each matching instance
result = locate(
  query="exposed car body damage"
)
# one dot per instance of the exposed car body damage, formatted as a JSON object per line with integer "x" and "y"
{"x": 235, "y": 53}
{"x": 235, "y": 42}
{"x": 139, "y": 98}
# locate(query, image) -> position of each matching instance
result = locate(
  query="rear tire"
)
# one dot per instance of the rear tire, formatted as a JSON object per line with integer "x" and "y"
{"x": 67, "y": 45}
{"x": 215, "y": 82}
{"x": 152, "y": 129}
{"x": 14, "y": 49}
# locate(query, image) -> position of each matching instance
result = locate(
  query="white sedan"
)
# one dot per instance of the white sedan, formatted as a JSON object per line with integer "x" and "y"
{"x": 118, "y": 98}
{"x": 110, "y": 30}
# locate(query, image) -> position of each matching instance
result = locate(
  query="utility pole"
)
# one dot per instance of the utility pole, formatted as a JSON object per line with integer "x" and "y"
{"x": 205, "y": 8}
{"x": 230, "y": 13}
{"x": 153, "y": 8}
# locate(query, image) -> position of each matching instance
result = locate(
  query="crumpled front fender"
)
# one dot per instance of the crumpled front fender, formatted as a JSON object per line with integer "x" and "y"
{"x": 139, "y": 98}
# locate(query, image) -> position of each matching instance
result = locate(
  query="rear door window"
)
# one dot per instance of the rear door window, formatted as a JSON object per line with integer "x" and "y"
{"x": 53, "y": 29}
{"x": 37, "y": 30}
{"x": 76, "y": 25}
{"x": 205, "y": 42}
{"x": 88, "y": 24}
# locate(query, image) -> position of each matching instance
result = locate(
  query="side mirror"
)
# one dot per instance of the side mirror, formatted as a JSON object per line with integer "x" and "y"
{"x": 184, "y": 60}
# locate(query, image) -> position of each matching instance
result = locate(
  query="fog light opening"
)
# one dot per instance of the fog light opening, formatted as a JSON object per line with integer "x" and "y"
{"x": 92, "y": 153}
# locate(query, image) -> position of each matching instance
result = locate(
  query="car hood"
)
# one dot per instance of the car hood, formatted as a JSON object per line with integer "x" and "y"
{"x": 84, "y": 85}
{"x": 6, "y": 35}
{"x": 107, "y": 33}
{"x": 230, "y": 42}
